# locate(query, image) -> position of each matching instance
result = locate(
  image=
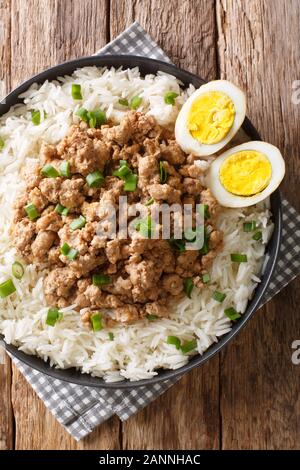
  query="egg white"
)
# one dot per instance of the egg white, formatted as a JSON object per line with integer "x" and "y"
{"x": 227, "y": 199}
{"x": 183, "y": 136}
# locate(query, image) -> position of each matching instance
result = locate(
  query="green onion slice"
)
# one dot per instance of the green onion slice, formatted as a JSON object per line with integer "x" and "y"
{"x": 232, "y": 314}
{"x": 151, "y": 317}
{"x": 17, "y": 270}
{"x": 35, "y": 117}
{"x": 65, "y": 169}
{"x": 145, "y": 227}
{"x": 76, "y": 91}
{"x": 82, "y": 113}
{"x": 65, "y": 248}
{"x": 95, "y": 179}
{"x": 123, "y": 171}
{"x": 96, "y": 320}
{"x": 149, "y": 202}
{"x": 188, "y": 286}
{"x": 123, "y": 102}
{"x": 131, "y": 182}
{"x": 174, "y": 340}
{"x": 162, "y": 173}
{"x": 31, "y": 211}
{"x": 111, "y": 336}
{"x": 2, "y": 143}
{"x": 257, "y": 236}
{"x": 49, "y": 171}
{"x": 72, "y": 254}
{"x": 78, "y": 223}
{"x": 135, "y": 102}
{"x": 204, "y": 211}
{"x": 7, "y": 288}
{"x": 205, "y": 278}
{"x": 249, "y": 226}
{"x": 170, "y": 97}
{"x": 101, "y": 280}
{"x": 205, "y": 248}
{"x": 219, "y": 296}
{"x": 61, "y": 209}
{"x": 238, "y": 258}
{"x": 53, "y": 316}
{"x": 188, "y": 346}
{"x": 96, "y": 118}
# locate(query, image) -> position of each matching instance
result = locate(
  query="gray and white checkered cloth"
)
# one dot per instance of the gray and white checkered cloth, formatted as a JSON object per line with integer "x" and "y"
{"x": 80, "y": 409}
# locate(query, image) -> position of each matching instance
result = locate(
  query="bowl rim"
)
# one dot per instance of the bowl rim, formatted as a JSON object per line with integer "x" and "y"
{"x": 72, "y": 375}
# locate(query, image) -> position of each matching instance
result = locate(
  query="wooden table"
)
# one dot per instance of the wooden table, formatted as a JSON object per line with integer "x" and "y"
{"x": 248, "y": 396}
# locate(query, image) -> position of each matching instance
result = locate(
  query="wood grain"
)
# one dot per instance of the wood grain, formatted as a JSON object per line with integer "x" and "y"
{"x": 47, "y": 32}
{"x": 185, "y": 419}
{"x": 259, "y": 49}
{"x": 6, "y": 411}
{"x": 248, "y": 397}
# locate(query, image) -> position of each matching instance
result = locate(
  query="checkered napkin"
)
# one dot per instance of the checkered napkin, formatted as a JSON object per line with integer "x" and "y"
{"x": 80, "y": 409}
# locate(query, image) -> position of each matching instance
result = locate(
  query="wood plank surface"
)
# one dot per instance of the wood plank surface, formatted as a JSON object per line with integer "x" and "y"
{"x": 6, "y": 411}
{"x": 259, "y": 50}
{"x": 248, "y": 396}
{"x": 185, "y": 418}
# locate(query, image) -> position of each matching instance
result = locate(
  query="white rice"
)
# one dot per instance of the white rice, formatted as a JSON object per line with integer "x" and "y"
{"x": 138, "y": 350}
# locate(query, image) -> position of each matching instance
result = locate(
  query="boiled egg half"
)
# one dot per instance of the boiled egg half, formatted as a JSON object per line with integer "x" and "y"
{"x": 246, "y": 174}
{"x": 210, "y": 118}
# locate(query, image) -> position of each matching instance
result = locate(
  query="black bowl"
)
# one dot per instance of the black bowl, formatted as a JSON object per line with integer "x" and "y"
{"x": 147, "y": 66}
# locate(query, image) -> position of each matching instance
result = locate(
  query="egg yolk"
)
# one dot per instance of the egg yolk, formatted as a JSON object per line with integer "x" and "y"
{"x": 245, "y": 173}
{"x": 211, "y": 117}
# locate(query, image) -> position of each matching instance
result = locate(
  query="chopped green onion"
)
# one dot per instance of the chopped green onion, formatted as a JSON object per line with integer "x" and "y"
{"x": 35, "y": 117}
{"x": 53, "y": 316}
{"x": 95, "y": 179}
{"x": 78, "y": 223}
{"x": 31, "y": 211}
{"x": 72, "y": 254}
{"x": 123, "y": 171}
{"x": 65, "y": 169}
{"x": 188, "y": 346}
{"x": 96, "y": 118}
{"x": 149, "y": 202}
{"x": 257, "y": 236}
{"x": 49, "y": 171}
{"x": 61, "y": 209}
{"x": 111, "y": 336}
{"x": 76, "y": 91}
{"x": 83, "y": 114}
{"x": 17, "y": 270}
{"x": 205, "y": 278}
{"x": 96, "y": 321}
{"x": 178, "y": 244}
{"x": 131, "y": 182}
{"x": 162, "y": 173}
{"x": 238, "y": 258}
{"x": 65, "y": 248}
{"x": 170, "y": 97}
{"x": 151, "y": 317}
{"x": 205, "y": 248}
{"x": 145, "y": 227}
{"x": 2, "y": 143}
{"x": 135, "y": 102}
{"x": 204, "y": 211}
{"x": 174, "y": 340}
{"x": 231, "y": 313}
{"x": 101, "y": 280}
{"x": 218, "y": 296}
{"x": 188, "y": 286}
{"x": 249, "y": 226}
{"x": 7, "y": 288}
{"x": 123, "y": 102}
